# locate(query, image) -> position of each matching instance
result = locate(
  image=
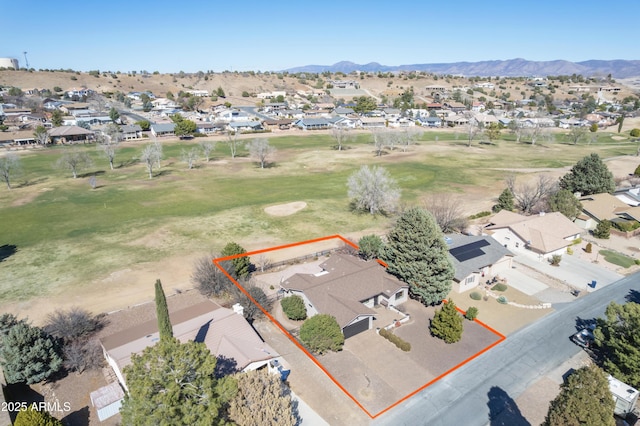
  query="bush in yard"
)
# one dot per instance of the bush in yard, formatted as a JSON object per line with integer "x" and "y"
{"x": 251, "y": 310}
{"x": 569, "y": 251}
{"x": 293, "y": 307}
{"x": 396, "y": 340}
{"x": 472, "y": 313}
{"x": 370, "y": 247}
{"x": 637, "y": 171}
{"x": 499, "y": 287}
{"x": 447, "y": 323}
{"x": 321, "y": 333}
{"x": 555, "y": 260}
{"x": 603, "y": 230}
{"x": 588, "y": 248}
{"x": 475, "y": 295}
{"x": 634, "y": 133}
{"x": 73, "y": 325}
{"x": 502, "y": 300}
{"x": 32, "y": 417}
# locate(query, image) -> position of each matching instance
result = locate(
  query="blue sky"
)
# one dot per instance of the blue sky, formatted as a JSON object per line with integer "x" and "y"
{"x": 193, "y": 35}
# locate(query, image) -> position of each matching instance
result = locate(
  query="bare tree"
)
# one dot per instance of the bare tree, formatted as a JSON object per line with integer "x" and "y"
{"x": 209, "y": 279}
{"x": 447, "y": 211}
{"x": 391, "y": 138}
{"x": 378, "y": 140}
{"x": 577, "y": 133}
{"x": 408, "y": 136}
{"x": 372, "y": 189}
{"x": 263, "y": 262}
{"x": 109, "y": 144}
{"x": 9, "y": 166}
{"x": 341, "y": 136}
{"x": 207, "y": 148}
{"x": 538, "y": 132}
{"x": 157, "y": 146}
{"x": 472, "y": 128}
{"x": 41, "y": 135}
{"x": 74, "y": 161}
{"x": 260, "y": 150}
{"x": 190, "y": 156}
{"x": 516, "y": 129}
{"x": 232, "y": 141}
{"x": 528, "y": 196}
{"x": 149, "y": 157}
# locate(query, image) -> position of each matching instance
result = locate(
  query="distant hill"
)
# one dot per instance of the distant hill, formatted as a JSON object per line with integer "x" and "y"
{"x": 509, "y": 68}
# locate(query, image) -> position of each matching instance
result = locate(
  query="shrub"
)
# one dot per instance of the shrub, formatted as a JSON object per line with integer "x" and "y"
{"x": 252, "y": 311}
{"x": 603, "y": 230}
{"x": 73, "y": 325}
{"x": 555, "y": 260}
{"x": 634, "y": 133}
{"x": 588, "y": 248}
{"x": 321, "y": 333}
{"x": 479, "y": 215}
{"x": 503, "y": 300}
{"x": 637, "y": 171}
{"x": 370, "y": 247}
{"x": 293, "y": 307}
{"x": 475, "y": 295}
{"x": 569, "y": 251}
{"x": 626, "y": 226}
{"x": 30, "y": 417}
{"x": 396, "y": 340}
{"x": 593, "y": 128}
{"x": 499, "y": 287}
{"x": 447, "y": 323}
{"x": 576, "y": 241}
{"x": 472, "y": 313}
{"x": 210, "y": 280}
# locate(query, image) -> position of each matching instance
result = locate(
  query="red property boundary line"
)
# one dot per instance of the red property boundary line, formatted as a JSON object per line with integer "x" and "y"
{"x": 310, "y": 356}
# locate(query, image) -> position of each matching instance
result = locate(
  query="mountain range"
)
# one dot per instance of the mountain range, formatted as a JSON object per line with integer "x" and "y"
{"x": 519, "y": 67}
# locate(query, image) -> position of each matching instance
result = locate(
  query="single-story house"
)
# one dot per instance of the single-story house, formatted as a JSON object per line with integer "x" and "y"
{"x": 430, "y": 121}
{"x": 347, "y": 288}
{"x": 67, "y": 134}
{"x": 313, "y": 123}
{"x": 630, "y": 196}
{"x": 475, "y": 257}
{"x": 545, "y": 234}
{"x": 224, "y": 331}
{"x": 281, "y": 124}
{"x": 208, "y": 128}
{"x": 163, "y": 129}
{"x": 598, "y": 207}
{"x": 372, "y": 122}
{"x": 131, "y": 131}
{"x": 245, "y": 126}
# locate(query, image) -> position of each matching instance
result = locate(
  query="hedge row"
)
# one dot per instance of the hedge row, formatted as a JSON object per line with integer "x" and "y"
{"x": 405, "y": 346}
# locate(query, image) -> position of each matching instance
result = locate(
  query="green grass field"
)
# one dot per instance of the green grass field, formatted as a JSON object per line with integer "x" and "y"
{"x": 68, "y": 234}
{"x": 617, "y": 258}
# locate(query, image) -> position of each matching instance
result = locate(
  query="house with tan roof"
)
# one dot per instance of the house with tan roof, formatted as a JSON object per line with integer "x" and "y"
{"x": 545, "y": 234}
{"x": 224, "y": 331}
{"x": 348, "y": 288}
{"x": 598, "y": 207}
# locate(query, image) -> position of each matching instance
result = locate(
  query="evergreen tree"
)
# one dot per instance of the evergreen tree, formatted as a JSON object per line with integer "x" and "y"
{"x": 589, "y": 176}
{"x": 618, "y": 339}
{"x": 584, "y": 399}
{"x": 162, "y": 313}
{"x": 603, "y": 230}
{"x": 29, "y": 355}
{"x": 242, "y": 264}
{"x": 447, "y": 323}
{"x": 505, "y": 201}
{"x": 172, "y": 384}
{"x": 262, "y": 400}
{"x": 322, "y": 333}
{"x": 565, "y": 202}
{"x": 370, "y": 247}
{"x": 33, "y": 417}
{"x": 417, "y": 254}
{"x": 114, "y": 115}
{"x": 294, "y": 308}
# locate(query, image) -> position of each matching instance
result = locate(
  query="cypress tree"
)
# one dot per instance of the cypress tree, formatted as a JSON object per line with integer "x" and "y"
{"x": 162, "y": 312}
{"x": 447, "y": 323}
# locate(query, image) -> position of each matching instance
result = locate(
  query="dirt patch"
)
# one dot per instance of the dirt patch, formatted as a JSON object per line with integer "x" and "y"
{"x": 285, "y": 209}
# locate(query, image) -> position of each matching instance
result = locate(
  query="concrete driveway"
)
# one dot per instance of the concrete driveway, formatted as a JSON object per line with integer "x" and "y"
{"x": 572, "y": 271}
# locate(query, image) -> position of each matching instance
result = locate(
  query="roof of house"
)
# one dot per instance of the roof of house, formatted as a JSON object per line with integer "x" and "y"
{"x": 131, "y": 128}
{"x": 163, "y": 127}
{"x": 345, "y": 282}
{"x": 223, "y": 331}
{"x": 68, "y": 131}
{"x": 603, "y": 206}
{"x": 470, "y": 254}
{"x": 544, "y": 233}
{"x": 251, "y": 124}
{"x": 313, "y": 122}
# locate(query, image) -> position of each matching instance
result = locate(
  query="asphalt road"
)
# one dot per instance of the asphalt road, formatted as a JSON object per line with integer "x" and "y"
{"x": 483, "y": 391}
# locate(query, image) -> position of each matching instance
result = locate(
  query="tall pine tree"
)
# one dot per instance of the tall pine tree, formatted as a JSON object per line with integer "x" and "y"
{"x": 584, "y": 399}
{"x": 162, "y": 312}
{"x": 447, "y": 323}
{"x": 417, "y": 254}
{"x": 589, "y": 176}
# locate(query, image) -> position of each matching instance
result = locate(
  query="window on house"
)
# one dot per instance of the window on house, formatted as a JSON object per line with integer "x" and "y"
{"x": 517, "y": 244}
{"x": 399, "y": 295}
{"x": 470, "y": 279}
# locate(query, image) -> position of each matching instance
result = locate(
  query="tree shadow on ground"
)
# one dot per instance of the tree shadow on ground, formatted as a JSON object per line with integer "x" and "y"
{"x": 77, "y": 418}
{"x": 582, "y": 323}
{"x": 7, "y": 250}
{"x": 89, "y": 174}
{"x": 21, "y": 393}
{"x": 503, "y": 410}
{"x": 127, "y": 163}
{"x": 32, "y": 182}
{"x": 633, "y": 296}
{"x": 162, "y": 173}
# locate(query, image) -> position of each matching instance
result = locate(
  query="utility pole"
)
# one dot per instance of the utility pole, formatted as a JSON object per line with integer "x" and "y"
{"x": 26, "y": 61}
